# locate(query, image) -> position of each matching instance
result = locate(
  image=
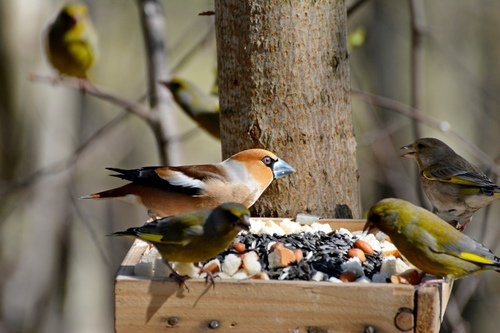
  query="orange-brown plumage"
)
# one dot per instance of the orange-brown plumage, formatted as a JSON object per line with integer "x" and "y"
{"x": 166, "y": 191}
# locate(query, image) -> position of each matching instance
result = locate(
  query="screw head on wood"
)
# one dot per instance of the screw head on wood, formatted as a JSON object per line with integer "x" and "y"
{"x": 213, "y": 324}
{"x": 369, "y": 329}
{"x": 404, "y": 319}
{"x": 172, "y": 321}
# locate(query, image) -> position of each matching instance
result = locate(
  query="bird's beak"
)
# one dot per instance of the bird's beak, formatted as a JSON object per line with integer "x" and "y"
{"x": 369, "y": 227}
{"x": 244, "y": 223}
{"x": 167, "y": 84}
{"x": 281, "y": 168}
{"x": 409, "y": 151}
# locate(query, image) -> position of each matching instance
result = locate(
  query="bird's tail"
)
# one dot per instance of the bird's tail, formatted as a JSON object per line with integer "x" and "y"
{"x": 121, "y": 191}
{"x": 128, "y": 232}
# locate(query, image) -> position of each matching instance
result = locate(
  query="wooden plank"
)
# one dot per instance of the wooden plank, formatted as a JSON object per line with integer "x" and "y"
{"x": 145, "y": 304}
{"x": 259, "y": 306}
{"x": 132, "y": 258}
{"x": 351, "y": 224}
{"x": 428, "y": 309}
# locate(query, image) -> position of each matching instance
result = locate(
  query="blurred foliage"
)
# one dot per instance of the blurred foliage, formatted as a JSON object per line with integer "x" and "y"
{"x": 56, "y": 261}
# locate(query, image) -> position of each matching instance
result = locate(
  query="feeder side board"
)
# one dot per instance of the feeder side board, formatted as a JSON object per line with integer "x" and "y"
{"x": 258, "y": 306}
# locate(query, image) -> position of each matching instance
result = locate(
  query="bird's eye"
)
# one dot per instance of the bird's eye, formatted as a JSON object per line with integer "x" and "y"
{"x": 67, "y": 19}
{"x": 267, "y": 160}
{"x": 420, "y": 145}
{"x": 175, "y": 85}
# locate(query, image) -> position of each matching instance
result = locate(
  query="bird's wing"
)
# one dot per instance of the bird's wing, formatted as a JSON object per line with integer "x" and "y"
{"x": 180, "y": 229}
{"x": 454, "y": 175}
{"x": 189, "y": 180}
{"x": 467, "y": 249}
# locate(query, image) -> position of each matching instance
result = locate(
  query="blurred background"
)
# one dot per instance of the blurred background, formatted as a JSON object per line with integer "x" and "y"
{"x": 57, "y": 264}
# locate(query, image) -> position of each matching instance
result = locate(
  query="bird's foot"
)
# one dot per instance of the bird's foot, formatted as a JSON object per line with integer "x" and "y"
{"x": 180, "y": 279}
{"x": 84, "y": 85}
{"x": 209, "y": 277}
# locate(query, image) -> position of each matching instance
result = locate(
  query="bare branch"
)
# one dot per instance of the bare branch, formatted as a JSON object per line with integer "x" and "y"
{"x": 160, "y": 100}
{"x": 62, "y": 165}
{"x": 192, "y": 51}
{"x": 442, "y": 126}
{"x": 418, "y": 24}
{"x": 76, "y": 84}
{"x": 417, "y": 14}
{"x": 355, "y": 6}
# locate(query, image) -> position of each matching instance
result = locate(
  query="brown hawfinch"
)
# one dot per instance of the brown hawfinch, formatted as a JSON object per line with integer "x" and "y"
{"x": 167, "y": 191}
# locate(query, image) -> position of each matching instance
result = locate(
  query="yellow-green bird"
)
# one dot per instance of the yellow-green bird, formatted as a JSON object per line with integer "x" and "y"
{"x": 71, "y": 42}
{"x": 202, "y": 108}
{"x": 456, "y": 188}
{"x": 195, "y": 236}
{"x": 428, "y": 242}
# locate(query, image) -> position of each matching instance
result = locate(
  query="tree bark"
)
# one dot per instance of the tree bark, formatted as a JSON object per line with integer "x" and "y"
{"x": 285, "y": 86}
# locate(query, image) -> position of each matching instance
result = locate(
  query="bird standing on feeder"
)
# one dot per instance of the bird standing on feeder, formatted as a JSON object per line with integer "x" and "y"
{"x": 171, "y": 190}
{"x": 456, "y": 188}
{"x": 428, "y": 242}
{"x": 195, "y": 236}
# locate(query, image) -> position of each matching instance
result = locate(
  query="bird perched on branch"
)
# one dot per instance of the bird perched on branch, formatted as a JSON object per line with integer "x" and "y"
{"x": 202, "y": 108}
{"x": 167, "y": 191}
{"x": 71, "y": 42}
{"x": 429, "y": 242}
{"x": 455, "y": 188}
{"x": 193, "y": 237}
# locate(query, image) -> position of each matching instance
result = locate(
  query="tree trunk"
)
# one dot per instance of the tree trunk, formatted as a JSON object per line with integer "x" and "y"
{"x": 284, "y": 86}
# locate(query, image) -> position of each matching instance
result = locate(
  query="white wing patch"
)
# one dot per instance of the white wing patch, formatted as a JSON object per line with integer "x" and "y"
{"x": 178, "y": 178}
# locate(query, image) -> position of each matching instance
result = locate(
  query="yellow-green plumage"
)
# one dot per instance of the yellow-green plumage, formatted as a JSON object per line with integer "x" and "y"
{"x": 71, "y": 42}
{"x": 428, "y": 242}
{"x": 195, "y": 236}
{"x": 202, "y": 108}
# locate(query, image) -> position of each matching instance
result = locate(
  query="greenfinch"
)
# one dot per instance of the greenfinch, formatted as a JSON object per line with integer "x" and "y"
{"x": 428, "y": 242}
{"x": 202, "y": 108}
{"x": 456, "y": 188}
{"x": 195, "y": 236}
{"x": 71, "y": 42}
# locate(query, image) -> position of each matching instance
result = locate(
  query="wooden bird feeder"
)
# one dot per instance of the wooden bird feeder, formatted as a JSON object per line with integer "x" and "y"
{"x": 159, "y": 305}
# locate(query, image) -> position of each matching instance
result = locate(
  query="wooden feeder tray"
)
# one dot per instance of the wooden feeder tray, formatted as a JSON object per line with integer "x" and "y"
{"x": 158, "y": 305}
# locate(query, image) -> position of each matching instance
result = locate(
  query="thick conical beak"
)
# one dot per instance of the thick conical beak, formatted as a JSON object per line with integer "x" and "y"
{"x": 281, "y": 168}
{"x": 369, "y": 227}
{"x": 408, "y": 151}
{"x": 244, "y": 223}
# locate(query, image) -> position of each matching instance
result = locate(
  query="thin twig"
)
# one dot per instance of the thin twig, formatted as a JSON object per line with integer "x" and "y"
{"x": 355, "y": 6}
{"x": 63, "y": 164}
{"x": 418, "y": 27}
{"x": 192, "y": 51}
{"x": 442, "y": 126}
{"x": 87, "y": 225}
{"x": 93, "y": 90}
{"x": 160, "y": 100}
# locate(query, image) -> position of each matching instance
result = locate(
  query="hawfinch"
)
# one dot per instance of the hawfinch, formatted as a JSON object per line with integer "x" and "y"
{"x": 167, "y": 191}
